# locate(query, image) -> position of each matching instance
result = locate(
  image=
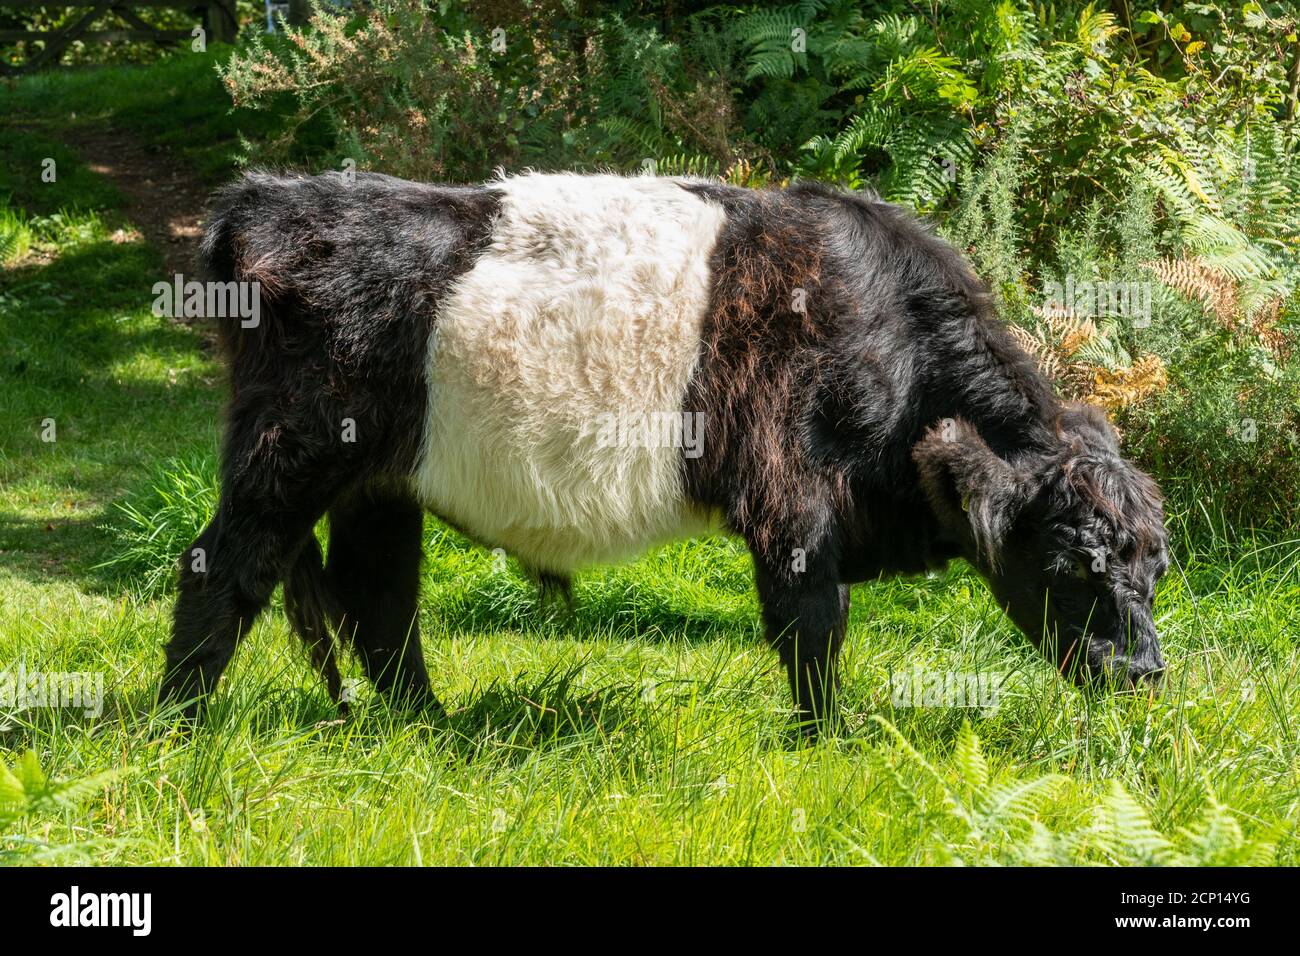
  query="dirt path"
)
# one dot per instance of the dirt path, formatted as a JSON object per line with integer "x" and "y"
{"x": 165, "y": 200}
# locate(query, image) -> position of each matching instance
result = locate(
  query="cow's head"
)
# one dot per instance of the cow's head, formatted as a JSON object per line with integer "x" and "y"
{"x": 1072, "y": 541}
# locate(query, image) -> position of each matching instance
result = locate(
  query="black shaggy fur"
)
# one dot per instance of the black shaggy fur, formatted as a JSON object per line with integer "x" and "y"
{"x": 350, "y": 276}
{"x": 865, "y": 415}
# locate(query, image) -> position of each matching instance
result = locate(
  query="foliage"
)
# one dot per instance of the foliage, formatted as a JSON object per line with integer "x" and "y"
{"x": 15, "y": 235}
{"x": 401, "y": 92}
{"x": 1083, "y": 361}
{"x": 87, "y": 52}
{"x": 903, "y": 103}
{"x": 1001, "y": 822}
{"x": 26, "y": 793}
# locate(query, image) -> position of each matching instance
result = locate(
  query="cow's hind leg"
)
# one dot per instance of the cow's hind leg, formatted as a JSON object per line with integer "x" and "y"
{"x": 805, "y": 613}
{"x": 227, "y": 576}
{"x": 374, "y": 571}
{"x": 278, "y": 477}
{"x": 312, "y": 609}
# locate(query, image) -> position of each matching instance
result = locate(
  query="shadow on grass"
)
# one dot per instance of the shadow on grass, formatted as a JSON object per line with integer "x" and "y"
{"x": 72, "y": 314}
{"x": 504, "y": 722}
{"x": 27, "y": 151}
{"x": 611, "y": 616}
{"x": 122, "y": 388}
{"x": 534, "y": 713}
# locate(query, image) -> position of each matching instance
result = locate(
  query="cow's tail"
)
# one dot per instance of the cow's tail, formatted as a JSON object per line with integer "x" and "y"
{"x": 315, "y": 614}
{"x": 244, "y": 243}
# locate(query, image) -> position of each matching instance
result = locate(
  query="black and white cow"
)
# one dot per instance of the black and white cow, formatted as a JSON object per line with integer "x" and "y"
{"x": 462, "y": 350}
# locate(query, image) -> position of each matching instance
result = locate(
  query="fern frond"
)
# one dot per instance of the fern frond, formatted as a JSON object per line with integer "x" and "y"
{"x": 1008, "y": 806}
{"x": 770, "y": 35}
{"x": 1114, "y": 389}
{"x": 1194, "y": 279}
{"x": 1095, "y": 28}
{"x": 1217, "y": 840}
{"x": 970, "y": 760}
{"x": 692, "y": 165}
{"x": 1127, "y": 834}
{"x": 25, "y": 790}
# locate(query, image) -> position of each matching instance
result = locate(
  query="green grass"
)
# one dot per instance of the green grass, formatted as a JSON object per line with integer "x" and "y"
{"x": 647, "y": 725}
{"x": 176, "y": 104}
{"x": 25, "y": 154}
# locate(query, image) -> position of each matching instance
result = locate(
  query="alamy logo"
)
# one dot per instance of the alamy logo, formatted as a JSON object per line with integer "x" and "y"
{"x": 179, "y": 299}
{"x": 683, "y": 430}
{"x": 1097, "y": 298}
{"x": 21, "y": 689}
{"x": 961, "y": 689}
{"x": 74, "y": 908}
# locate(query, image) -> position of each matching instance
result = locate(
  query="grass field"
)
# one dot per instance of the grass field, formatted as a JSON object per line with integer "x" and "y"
{"x": 648, "y": 724}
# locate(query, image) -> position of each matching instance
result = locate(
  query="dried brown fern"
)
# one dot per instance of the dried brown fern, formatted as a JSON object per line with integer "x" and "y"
{"x": 1197, "y": 280}
{"x": 1221, "y": 296}
{"x": 1114, "y": 389}
{"x": 1055, "y": 344}
{"x": 1040, "y": 350}
{"x": 1263, "y": 326}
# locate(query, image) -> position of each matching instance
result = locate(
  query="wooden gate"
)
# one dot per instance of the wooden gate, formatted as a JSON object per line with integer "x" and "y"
{"x": 218, "y": 20}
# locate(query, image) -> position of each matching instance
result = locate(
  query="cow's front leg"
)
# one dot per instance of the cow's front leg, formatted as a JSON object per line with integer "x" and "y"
{"x": 805, "y": 612}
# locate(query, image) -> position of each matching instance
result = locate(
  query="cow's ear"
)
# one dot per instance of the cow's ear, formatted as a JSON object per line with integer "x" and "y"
{"x": 974, "y": 494}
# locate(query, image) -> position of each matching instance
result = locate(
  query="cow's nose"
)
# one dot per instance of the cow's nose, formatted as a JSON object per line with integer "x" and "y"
{"x": 1146, "y": 673}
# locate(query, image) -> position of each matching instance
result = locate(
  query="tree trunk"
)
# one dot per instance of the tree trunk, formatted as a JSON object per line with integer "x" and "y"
{"x": 221, "y": 20}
